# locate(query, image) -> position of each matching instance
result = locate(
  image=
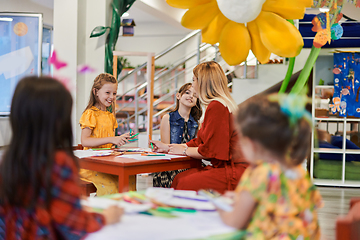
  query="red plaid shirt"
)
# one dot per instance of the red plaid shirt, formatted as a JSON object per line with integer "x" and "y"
{"x": 65, "y": 218}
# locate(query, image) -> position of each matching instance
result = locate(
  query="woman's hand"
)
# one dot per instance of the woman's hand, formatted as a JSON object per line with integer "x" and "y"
{"x": 159, "y": 146}
{"x": 113, "y": 214}
{"x": 177, "y": 149}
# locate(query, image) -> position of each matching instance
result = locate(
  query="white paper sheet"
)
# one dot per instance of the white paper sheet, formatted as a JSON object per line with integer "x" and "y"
{"x": 140, "y": 157}
{"x": 103, "y": 203}
{"x": 186, "y": 226}
{"x": 83, "y": 153}
{"x": 181, "y": 199}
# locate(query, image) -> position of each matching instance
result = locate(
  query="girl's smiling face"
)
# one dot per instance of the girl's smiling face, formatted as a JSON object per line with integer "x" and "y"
{"x": 188, "y": 98}
{"x": 106, "y": 95}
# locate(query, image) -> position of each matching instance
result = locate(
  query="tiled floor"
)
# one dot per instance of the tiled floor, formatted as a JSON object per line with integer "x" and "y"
{"x": 336, "y": 203}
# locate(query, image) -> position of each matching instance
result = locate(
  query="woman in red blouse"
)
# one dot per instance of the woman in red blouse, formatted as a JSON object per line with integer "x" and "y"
{"x": 217, "y": 139}
{"x": 39, "y": 191}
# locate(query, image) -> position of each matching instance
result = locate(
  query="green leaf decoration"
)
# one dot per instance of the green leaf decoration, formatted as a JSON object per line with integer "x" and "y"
{"x": 98, "y": 31}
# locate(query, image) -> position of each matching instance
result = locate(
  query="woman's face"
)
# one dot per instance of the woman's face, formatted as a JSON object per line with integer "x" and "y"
{"x": 195, "y": 85}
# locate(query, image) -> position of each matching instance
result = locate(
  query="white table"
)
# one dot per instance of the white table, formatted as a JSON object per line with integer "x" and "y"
{"x": 188, "y": 226}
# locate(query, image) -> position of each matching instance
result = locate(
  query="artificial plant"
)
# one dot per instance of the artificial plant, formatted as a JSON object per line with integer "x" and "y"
{"x": 119, "y": 8}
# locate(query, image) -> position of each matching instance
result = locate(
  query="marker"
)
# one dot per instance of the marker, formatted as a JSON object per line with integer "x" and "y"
{"x": 152, "y": 146}
{"x": 134, "y": 135}
{"x": 132, "y": 140}
{"x": 130, "y": 131}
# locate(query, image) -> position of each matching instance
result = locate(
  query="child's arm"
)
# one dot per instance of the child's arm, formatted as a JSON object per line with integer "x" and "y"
{"x": 242, "y": 212}
{"x": 165, "y": 129}
{"x": 88, "y": 141}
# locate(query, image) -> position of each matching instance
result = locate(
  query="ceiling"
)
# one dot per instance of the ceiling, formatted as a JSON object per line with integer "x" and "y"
{"x": 142, "y": 16}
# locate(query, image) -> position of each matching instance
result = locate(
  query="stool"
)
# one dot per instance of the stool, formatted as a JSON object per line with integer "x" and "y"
{"x": 87, "y": 188}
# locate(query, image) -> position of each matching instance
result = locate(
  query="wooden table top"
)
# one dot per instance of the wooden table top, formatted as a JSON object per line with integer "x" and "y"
{"x": 121, "y": 161}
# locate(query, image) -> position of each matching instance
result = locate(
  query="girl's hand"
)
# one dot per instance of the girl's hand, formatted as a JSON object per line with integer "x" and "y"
{"x": 159, "y": 146}
{"x": 230, "y": 194}
{"x": 121, "y": 140}
{"x": 177, "y": 149}
{"x": 113, "y": 214}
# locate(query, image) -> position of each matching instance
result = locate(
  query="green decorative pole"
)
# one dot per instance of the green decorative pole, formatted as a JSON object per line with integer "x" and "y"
{"x": 119, "y": 7}
{"x": 305, "y": 73}
{"x": 288, "y": 75}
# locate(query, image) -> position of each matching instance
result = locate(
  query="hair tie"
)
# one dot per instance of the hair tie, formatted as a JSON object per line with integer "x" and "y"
{"x": 293, "y": 106}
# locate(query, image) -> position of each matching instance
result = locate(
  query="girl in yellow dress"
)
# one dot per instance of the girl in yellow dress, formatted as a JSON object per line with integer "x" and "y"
{"x": 275, "y": 198}
{"x": 98, "y": 130}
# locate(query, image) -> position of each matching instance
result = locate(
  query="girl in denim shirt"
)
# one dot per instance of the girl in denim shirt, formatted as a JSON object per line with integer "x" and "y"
{"x": 179, "y": 126}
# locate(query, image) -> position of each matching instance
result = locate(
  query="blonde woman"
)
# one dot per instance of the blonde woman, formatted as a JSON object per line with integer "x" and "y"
{"x": 217, "y": 139}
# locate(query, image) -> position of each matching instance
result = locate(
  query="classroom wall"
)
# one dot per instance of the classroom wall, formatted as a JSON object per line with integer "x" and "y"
{"x": 28, "y": 6}
{"x": 268, "y": 75}
{"x": 152, "y": 37}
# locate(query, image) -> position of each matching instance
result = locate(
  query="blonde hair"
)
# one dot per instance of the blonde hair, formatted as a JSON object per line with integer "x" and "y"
{"x": 99, "y": 82}
{"x": 213, "y": 85}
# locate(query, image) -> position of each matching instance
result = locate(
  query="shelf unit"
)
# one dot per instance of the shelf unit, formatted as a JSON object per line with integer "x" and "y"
{"x": 345, "y": 122}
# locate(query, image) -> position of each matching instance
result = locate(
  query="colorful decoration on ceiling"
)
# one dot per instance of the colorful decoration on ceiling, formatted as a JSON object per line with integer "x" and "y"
{"x": 326, "y": 23}
{"x": 238, "y": 26}
{"x": 119, "y": 8}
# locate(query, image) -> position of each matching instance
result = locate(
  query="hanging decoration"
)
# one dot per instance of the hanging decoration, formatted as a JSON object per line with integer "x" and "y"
{"x": 238, "y": 26}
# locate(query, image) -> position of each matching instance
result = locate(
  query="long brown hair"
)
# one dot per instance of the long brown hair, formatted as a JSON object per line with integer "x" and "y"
{"x": 213, "y": 85}
{"x": 99, "y": 81}
{"x": 263, "y": 121}
{"x": 196, "y": 110}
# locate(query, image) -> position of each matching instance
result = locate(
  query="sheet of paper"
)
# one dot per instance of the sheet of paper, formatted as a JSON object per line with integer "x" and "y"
{"x": 140, "y": 157}
{"x": 186, "y": 226}
{"x": 181, "y": 199}
{"x": 83, "y": 153}
{"x": 103, "y": 203}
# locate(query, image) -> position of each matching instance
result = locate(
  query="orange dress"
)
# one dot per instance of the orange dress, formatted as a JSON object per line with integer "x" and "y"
{"x": 102, "y": 124}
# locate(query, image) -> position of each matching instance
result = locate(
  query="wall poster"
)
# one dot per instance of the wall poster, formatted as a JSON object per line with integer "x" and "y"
{"x": 20, "y": 52}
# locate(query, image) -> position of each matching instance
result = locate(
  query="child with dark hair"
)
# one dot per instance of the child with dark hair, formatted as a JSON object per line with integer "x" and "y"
{"x": 275, "y": 198}
{"x": 39, "y": 184}
{"x": 179, "y": 126}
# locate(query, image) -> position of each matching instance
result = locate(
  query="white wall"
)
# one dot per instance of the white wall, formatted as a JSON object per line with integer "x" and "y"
{"x": 27, "y": 6}
{"x": 152, "y": 37}
{"x": 268, "y": 75}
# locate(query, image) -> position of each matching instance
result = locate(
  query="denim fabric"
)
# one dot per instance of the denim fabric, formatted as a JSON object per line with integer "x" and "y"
{"x": 177, "y": 127}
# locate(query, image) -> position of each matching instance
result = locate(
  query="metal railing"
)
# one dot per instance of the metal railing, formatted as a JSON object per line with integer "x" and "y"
{"x": 163, "y": 75}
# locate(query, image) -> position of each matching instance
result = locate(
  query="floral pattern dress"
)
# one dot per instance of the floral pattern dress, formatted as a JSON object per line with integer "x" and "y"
{"x": 287, "y": 202}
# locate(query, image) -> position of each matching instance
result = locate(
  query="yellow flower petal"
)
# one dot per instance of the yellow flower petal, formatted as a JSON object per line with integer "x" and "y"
{"x": 278, "y": 35}
{"x": 211, "y": 34}
{"x": 285, "y": 8}
{"x": 186, "y": 4}
{"x": 234, "y": 43}
{"x": 257, "y": 47}
{"x": 305, "y": 3}
{"x": 199, "y": 17}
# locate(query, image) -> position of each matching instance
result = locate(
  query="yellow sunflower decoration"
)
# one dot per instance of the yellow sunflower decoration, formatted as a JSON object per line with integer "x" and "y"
{"x": 241, "y": 25}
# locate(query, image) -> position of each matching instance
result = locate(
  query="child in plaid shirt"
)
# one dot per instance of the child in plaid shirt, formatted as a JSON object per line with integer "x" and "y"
{"x": 39, "y": 191}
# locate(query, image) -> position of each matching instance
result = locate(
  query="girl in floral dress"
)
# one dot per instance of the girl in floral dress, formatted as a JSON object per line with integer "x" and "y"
{"x": 275, "y": 198}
